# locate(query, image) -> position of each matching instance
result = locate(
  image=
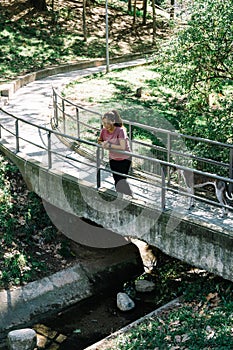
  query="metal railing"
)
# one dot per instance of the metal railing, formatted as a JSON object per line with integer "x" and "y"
{"x": 175, "y": 146}
{"x": 162, "y": 182}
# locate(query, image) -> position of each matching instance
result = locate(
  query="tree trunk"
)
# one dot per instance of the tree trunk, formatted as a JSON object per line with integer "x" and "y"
{"x": 154, "y": 21}
{"x": 39, "y": 5}
{"x": 129, "y": 5}
{"x": 84, "y": 20}
{"x": 172, "y": 11}
{"x": 134, "y": 11}
{"x": 144, "y": 12}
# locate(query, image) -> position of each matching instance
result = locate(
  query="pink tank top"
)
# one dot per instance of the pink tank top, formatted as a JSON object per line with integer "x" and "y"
{"x": 118, "y": 134}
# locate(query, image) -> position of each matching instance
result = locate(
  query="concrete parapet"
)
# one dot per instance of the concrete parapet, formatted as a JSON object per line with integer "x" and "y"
{"x": 8, "y": 89}
{"x": 193, "y": 240}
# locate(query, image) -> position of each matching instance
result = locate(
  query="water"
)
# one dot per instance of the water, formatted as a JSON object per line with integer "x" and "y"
{"x": 89, "y": 321}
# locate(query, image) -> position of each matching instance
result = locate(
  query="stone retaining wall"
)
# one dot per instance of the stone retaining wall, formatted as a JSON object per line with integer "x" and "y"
{"x": 26, "y": 305}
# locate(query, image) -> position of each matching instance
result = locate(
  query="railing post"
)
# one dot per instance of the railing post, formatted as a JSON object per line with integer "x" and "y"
{"x": 55, "y": 108}
{"x": 130, "y": 135}
{"x": 63, "y": 116}
{"x": 102, "y": 150}
{"x": 163, "y": 189}
{"x": 49, "y": 151}
{"x": 168, "y": 156}
{"x": 78, "y": 123}
{"x": 98, "y": 170}
{"x": 0, "y": 131}
{"x": 231, "y": 169}
{"x": 17, "y": 135}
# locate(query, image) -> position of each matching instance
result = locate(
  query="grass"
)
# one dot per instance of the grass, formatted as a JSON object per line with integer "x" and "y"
{"x": 203, "y": 320}
{"x": 158, "y": 106}
{"x": 32, "y": 40}
{"x": 116, "y": 90}
{"x": 183, "y": 328}
{"x": 30, "y": 246}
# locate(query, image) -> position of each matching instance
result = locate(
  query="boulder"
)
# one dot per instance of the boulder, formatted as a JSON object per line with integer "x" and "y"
{"x": 144, "y": 286}
{"x": 124, "y": 302}
{"x": 22, "y": 339}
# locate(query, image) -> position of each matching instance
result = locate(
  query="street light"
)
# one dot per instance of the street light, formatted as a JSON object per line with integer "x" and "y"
{"x": 106, "y": 28}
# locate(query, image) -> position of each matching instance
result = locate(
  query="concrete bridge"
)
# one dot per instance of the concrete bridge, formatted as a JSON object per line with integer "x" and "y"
{"x": 70, "y": 174}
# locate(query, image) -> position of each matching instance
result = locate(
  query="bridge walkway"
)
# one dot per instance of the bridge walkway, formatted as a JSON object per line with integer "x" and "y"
{"x": 33, "y": 103}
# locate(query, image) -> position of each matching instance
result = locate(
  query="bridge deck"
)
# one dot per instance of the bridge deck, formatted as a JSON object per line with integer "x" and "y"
{"x": 33, "y": 103}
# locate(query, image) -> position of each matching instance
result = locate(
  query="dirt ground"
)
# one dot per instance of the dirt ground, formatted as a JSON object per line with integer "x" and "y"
{"x": 124, "y": 36}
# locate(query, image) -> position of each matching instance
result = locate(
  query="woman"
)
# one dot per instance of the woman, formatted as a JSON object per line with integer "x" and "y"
{"x": 114, "y": 137}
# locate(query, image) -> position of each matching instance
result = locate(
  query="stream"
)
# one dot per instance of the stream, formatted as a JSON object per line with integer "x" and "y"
{"x": 90, "y": 320}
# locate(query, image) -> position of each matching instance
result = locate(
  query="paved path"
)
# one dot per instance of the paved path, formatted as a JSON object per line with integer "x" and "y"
{"x": 33, "y": 103}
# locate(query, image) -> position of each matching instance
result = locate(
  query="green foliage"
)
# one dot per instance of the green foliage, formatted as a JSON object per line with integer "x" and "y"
{"x": 17, "y": 269}
{"x": 42, "y": 41}
{"x": 23, "y": 47}
{"x": 204, "y": 321}
{"x": 200, "y": 56}
{"x": 65, "y": 249}
{"x": 197, "y": 62}
{"x": 6, "y": 221}
{"x": 183, "y": 327}
{"x": 32, "y": 40}
{"x": 26, "y": 231}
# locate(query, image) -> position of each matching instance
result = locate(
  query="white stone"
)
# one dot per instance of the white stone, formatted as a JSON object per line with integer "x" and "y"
{"x": 22, "y": 339}
{"x": 124, "y": 302}
{"x": 144, "y": 286}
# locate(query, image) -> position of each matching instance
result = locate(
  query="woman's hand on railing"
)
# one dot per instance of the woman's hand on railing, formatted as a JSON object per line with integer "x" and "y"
{"x": 105, "y": 144}
{"x": 99, "y": 141}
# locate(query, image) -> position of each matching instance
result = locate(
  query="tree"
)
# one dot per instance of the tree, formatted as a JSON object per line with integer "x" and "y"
{"x": 129, "y": 5}
{"x": 172, "y": 10}
{"x": 154, "y": 20}
{"x": 144, "y": 12}
{"x": 40, "y": 5}
{"x": 84, "y": 20}
{"x": 201, "y": 54}
{"x": 198, "y": 63}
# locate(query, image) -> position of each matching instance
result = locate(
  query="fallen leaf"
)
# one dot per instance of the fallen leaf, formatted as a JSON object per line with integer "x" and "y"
{"x": 185, "y": 337}
{"x": 211, "y": 296}
{"x": 168, "y": 337}
{"x": 178, "y": 338}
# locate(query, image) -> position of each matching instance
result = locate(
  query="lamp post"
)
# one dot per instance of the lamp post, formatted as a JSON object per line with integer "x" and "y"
{"x": 106, "y": 28}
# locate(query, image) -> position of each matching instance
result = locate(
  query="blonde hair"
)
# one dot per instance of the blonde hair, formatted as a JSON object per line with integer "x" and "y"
{"x": 113, "y": 116}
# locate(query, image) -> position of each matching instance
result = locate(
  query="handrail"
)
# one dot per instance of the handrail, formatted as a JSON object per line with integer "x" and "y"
{"x": 148, "y": 127}
{"x": 164, "y": 187}
{"x": 168, "y": 151}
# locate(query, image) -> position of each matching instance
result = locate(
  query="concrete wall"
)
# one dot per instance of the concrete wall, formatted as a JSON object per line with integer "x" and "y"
{"x": 8, "y": 89}
{"x": 207, "y": 246}
{"x": 29, "y": 304}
